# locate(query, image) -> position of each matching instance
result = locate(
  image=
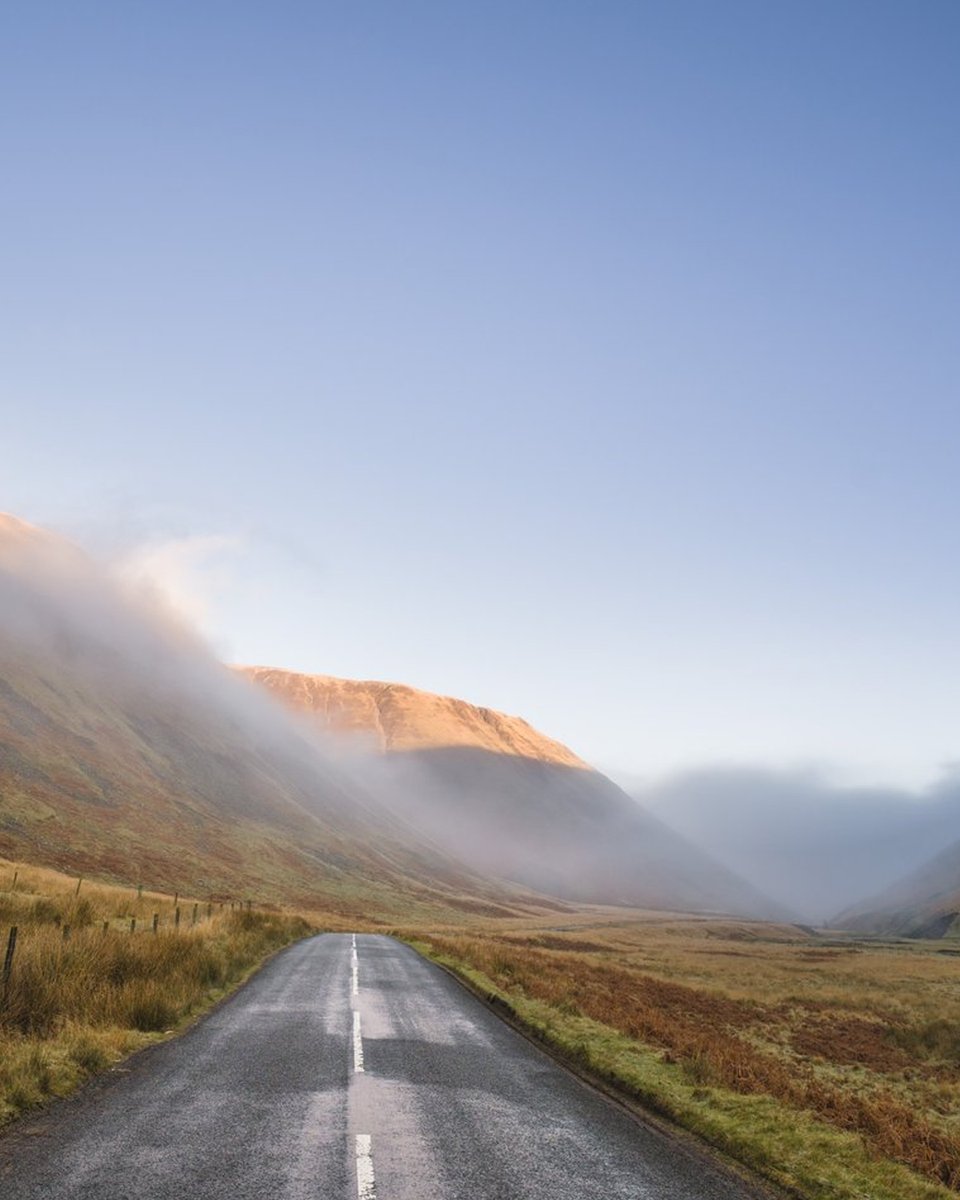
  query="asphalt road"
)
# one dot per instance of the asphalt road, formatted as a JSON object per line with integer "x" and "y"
{"x": 344, "y": 1071}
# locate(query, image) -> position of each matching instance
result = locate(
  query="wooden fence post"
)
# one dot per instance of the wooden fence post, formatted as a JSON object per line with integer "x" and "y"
{"x": 193, "y": 919}
{"x": 8, "y": 959}
{"x": 156, "y": 921}
{"x": 79, "y": 881}
{"x": 16, "y": 876}
{"x": 133, "y": 924}
{"x": 176, "y": 918}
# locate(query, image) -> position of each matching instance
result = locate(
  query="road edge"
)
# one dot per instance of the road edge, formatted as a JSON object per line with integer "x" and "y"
{"x": 97, "y": 1081}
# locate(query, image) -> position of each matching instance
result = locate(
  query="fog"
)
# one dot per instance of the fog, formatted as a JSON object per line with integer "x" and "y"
{"x": 814, "y": 846}
{"x": 69, "y": 620}
{"x": 111, "y": 639}
{"x": 810, "y": 846}
{"x": 85, "y": 642}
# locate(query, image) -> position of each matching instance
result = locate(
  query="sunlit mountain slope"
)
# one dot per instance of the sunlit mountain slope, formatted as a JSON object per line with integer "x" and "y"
{"x": 510, "y": 801}
{"x": 126, "y": 749}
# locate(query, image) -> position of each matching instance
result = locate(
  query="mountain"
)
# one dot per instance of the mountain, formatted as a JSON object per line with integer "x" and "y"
{"x": 814, "y": 846}
{"x": 127, "y": 750}
{"x": 394, "y": 717}
{"x": 508, "y": 800}
{"x": 926, "y": 903}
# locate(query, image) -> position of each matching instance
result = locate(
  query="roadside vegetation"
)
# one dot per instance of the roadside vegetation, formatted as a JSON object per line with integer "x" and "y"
{"x": 830, "y": 1066}
{"x": 90, "y": 980}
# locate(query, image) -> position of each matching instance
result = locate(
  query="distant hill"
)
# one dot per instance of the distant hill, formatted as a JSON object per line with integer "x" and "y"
{"x": 126, "y": 750}
{"x": 509, "y": 801}
{"x": 926, "y": 903}
{"x": 810, "y": 844}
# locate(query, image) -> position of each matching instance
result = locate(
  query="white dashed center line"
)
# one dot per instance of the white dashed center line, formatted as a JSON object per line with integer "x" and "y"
{"x": 366, "y": 1187}
{"x": 357, "y": 1044}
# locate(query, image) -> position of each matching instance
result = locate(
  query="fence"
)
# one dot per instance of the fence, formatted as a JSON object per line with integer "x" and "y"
{"x": 199, "y": 914}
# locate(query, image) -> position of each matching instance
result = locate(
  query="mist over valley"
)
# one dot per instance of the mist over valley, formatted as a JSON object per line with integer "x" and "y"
{"x": 817, "y": 848}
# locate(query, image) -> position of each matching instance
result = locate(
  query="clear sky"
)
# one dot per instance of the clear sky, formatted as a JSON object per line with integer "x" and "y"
{"x": 593, "y": 361}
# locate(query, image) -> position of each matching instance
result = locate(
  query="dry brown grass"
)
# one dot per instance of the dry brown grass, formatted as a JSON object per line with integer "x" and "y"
{"x": 101, "y": 978}
{"x": 91, "y": 980}
{"x": 864, "y": 1037}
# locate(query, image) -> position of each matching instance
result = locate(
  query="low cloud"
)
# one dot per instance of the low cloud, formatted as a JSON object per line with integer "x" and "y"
{"x": 803, "y": 840}
{"x": 187, "y": 575}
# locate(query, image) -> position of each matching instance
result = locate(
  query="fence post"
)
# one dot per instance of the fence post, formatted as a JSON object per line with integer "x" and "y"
{"x": 16, "y": 876}
{"x": 139, "y": 891}
{"x": 176, "y": 899}
{"x": 8, "y": 959}
{"x": 156, "y": 921}
{"x": 79, "y": 881}
{"x": 176, "y": 918}
{"x": 106, "y": 926}
{"x": 209, "y": 911}
{"x": 193, "y": 919}
{"x": 133, "y": 924}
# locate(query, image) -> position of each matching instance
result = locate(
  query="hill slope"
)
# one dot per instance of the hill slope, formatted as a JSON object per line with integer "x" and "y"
{"x": 924, "y": 904}
{"x": 125, "y": 749}
{"x": 511, "y": 802}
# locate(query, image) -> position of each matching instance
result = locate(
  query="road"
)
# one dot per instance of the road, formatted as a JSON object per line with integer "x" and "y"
{"x": 348, "y": 1068}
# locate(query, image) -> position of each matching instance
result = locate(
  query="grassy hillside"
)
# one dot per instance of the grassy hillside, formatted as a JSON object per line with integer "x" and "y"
{"x": 511, "y": 802}
{"x": 830, "y": 1066}
{"x": 126, "y": 750}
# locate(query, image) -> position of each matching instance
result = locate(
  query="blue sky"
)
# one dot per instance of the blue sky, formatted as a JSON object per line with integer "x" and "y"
{"x": 596, "y": 362}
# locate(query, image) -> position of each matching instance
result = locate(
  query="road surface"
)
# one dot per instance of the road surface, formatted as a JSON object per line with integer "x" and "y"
{"x": 348, "y": 1069}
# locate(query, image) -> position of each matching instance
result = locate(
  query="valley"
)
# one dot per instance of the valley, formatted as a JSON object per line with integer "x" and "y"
{"x": 244, "y": 809}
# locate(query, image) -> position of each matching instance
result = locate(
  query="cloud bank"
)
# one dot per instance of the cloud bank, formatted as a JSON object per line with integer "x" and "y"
{"x": 815, "y": 847}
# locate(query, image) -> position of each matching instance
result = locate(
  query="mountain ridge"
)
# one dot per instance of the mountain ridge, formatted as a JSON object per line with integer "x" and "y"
{"x": 384, "y": 709}
{"x": 542, "y": 817}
